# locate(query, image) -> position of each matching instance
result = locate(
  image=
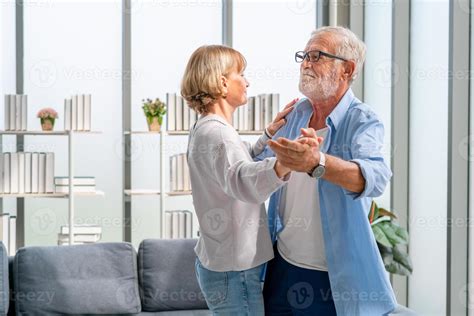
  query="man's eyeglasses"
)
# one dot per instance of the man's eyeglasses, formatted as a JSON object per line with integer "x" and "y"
{"x": 313, "y": 56}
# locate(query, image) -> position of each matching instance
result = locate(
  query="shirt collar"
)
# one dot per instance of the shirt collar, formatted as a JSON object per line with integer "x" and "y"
{"x": 340, "y": 110}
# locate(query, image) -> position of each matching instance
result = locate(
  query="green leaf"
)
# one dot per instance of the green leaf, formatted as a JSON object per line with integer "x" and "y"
{"x": 384, "y": 212}
{"x": 380, "y": 235}
{"x": 402, "y": 258}
{"x": 394, "y": 233}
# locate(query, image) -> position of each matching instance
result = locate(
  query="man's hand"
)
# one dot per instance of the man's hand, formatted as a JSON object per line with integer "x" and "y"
{"x": 301, "y": 154}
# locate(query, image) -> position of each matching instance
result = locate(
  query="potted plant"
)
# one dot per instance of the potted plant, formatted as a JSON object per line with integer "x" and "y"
{"x": 390, "y": 238}
{"x": 154, "y": 112}
{"x": 47, "y": 117}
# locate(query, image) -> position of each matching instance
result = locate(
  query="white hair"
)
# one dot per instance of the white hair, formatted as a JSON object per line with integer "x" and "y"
{"x": 346, "y": 45}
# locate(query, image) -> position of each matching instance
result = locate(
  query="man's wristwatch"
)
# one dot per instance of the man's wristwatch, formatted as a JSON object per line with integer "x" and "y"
{"x": 320, "y": 169}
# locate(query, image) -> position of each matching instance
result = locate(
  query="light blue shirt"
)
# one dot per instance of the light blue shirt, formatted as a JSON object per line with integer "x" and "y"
{"x": 359, "y": 282}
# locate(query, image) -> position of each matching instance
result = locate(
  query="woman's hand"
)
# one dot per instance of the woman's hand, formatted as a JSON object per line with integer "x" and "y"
{"x": 280, "y": 120}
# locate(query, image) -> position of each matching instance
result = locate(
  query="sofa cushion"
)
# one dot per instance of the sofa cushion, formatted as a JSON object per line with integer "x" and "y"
{"x": 167, "y": 277}
{"x": 4, "y": 283}
{"x": 82, "y": 279}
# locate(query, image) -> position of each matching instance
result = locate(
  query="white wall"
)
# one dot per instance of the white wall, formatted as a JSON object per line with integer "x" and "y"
{"x": 428, "y": 155}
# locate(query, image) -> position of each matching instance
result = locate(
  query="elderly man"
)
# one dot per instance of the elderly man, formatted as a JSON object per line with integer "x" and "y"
{"x": 326, "y": 258}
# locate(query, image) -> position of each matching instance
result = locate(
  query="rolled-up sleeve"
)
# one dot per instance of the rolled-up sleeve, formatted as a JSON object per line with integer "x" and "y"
{"x": 247, "y": 181}
{"x": 366, "y": 151}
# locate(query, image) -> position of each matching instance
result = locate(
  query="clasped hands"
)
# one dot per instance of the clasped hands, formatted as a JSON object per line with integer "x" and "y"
{"x": 301, "y": 154}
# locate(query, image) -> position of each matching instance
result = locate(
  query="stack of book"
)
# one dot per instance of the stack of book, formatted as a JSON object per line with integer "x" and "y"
{"x": 16, "y": 112}
{"x": 83, "y": 234}
{"x": 179, "y": 116}
{"x": 258, "y": 113}
{"x": 179, "y": 173}
{"x": 77, "y": 113}
{"x": 178, "y": 224}
{"x": 26, "y": 172}
{"x": 81, "y": 184}
{"x": 8, "y": 232}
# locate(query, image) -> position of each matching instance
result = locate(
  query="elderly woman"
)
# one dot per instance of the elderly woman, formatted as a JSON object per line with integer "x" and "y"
{"x": 229, "y": 188}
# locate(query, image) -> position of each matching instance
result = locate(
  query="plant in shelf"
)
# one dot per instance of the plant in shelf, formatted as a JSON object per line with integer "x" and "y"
{"x": 47, "y": 117}
{"x": 154, "y": 112}
{"x": 390, "y": 237}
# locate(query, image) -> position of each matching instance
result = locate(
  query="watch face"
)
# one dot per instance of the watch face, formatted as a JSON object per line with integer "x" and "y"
{"x": 319, "y": 172}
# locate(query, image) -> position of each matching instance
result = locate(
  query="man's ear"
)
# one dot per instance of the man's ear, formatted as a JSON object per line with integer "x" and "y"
{"x": 349, "y": 69}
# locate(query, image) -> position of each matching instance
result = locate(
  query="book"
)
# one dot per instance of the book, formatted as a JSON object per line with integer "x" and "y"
{"x": 21, "y": 172}
{"x": 80, "y": 112}
{"x": 7, "y": 112}
{"x": 77, "y": 188}
{"x": 171, "y": 111}
{"x": 74, "y": 113}
{"x": 83, "y": 229}
{"x": 175, "y": 225}
{"x": 189, "y": 225}
{"x": 41, "y": 173}
{"x": 185, "y": 116}
{"x": 12, "y": 236}
{"x": 12, "y": 112}
{"x": 49, "y": 173}
{"x": 275, "y": 104}
{"x": 179, "y": 113}
{"x": 250, "y": 114}
{"x": 14, "y": 186}
{"x": 87, "y": 112}
{"x": 257, "y": 109}
{"x": 6, "y": 173}
{"x": 241, "y": 118}
{"x": 28, "y": 172}
{"x": 75, "y": 181}
{"x": 24, "y": 112}
{"x": 179, "y": 174}
{"x": 18, "y": 112}
{"x": 34, "y": 172}
{"x": 268, "y": 109}
{"x": 173, "y": 173}
{"x": 67, "y": 114}
{"x": 182, "y": 225}
{"x": 4, "y": 230}
{"x": 167, "y": 233}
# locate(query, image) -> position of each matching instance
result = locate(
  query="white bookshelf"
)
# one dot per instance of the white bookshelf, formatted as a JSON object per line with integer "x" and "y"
{"x": 70, "y": 197}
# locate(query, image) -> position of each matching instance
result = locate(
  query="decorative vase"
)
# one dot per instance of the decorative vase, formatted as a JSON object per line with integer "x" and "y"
{"x": 153, "y": 124}
{"x": 47, "y": 124}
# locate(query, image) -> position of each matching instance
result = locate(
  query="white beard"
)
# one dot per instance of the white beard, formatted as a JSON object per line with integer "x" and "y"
{"x": 318, "y": 88}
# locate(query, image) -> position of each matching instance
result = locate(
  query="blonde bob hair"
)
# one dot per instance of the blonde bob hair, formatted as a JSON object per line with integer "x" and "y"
{"x": 201, "y": 85}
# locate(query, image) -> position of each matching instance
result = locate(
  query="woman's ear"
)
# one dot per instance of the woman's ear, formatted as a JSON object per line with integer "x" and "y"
{"x": 224, "y": 84}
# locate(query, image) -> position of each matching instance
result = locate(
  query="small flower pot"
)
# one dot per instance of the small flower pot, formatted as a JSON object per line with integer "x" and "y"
{"x": 153, "y": 124}
{"x": 47, "y": 124}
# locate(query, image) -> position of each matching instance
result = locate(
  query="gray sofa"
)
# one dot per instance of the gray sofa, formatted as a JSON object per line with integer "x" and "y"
{"x": 102, "y": 279}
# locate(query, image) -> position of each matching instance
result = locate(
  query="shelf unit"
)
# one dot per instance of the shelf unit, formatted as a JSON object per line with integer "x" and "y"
{"x": 20, "y": 229}
{"x": 128, "y": 192}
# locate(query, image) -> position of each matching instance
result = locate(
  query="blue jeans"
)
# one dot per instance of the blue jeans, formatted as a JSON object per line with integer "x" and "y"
{"x": 231, "y": 293}
{"x": 293, "y": 291}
